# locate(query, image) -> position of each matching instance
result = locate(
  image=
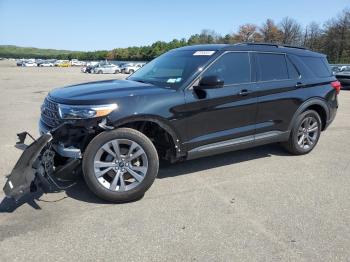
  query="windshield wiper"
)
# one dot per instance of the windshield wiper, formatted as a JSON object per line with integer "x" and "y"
{"x": 142, "y": 81}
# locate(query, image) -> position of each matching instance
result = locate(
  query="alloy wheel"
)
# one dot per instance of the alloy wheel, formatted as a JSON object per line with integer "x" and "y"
{"x": 308, "y": 132}
{"x": 120, "y": 165}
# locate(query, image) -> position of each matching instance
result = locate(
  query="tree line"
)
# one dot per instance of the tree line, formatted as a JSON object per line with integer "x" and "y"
{"x": 332, "y": 38}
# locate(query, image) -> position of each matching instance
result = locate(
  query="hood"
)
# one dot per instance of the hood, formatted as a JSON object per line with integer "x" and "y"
{"x": 103, "y": 92}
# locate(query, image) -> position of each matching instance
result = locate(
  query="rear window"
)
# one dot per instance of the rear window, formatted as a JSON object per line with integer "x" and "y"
{"x": 318, "y": 65}
{"x": 272, "y": 67}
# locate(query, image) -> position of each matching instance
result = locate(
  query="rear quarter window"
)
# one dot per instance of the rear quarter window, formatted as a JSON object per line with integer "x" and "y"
{"x": 318, "y": 65}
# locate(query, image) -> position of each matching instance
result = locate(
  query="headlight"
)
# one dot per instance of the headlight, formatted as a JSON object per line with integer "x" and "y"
{"x": 82, "y": 112}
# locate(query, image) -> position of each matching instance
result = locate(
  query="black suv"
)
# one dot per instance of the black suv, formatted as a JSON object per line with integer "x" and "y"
{"x": 190, "y": 102}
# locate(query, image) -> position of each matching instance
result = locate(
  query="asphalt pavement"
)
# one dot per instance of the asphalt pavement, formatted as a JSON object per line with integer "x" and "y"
{"x": 260, "y": 204}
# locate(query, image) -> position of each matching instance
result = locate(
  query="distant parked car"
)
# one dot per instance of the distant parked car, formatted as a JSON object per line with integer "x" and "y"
{"x": 76, "y": 62}
{"x": 46, "y": 64}
{"x": 88, "y": 68}
{"x": 130, "y": 68}
{"x": 57, "y": 62}
{"x": 345, "y": 68}
{"x": 39, "y": 61}
{"x": 344, "y": 78}
{"x": 107, "y": 69}
{"x": 19, "y": 62}
{"x": 335, "y": 69}
{"x": 29, "y": 64}
{"x": 64, "y": 63}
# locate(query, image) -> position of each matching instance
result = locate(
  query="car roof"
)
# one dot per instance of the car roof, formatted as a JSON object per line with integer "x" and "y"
{"x": 262, "y": 47}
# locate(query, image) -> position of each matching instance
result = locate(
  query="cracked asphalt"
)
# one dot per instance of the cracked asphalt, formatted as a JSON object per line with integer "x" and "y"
{"x": 259, "y": 204}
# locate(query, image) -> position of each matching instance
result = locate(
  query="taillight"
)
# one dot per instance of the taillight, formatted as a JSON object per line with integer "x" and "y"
{"x": 337, "y": 86}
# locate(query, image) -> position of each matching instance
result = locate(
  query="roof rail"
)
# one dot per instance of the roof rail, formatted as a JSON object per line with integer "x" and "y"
{"x": 254, "y": 43}
{"x": 272, "y": 44}
{"x": 293, "y": 46}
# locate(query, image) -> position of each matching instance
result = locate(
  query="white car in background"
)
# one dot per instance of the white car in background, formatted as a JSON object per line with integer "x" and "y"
{"x": 107, "y": 69}
{"x": 76, "y": 62}
{"x": 29, "y": 64}
{"x": 130, "y": 68}
{"x": 47, "y": 64}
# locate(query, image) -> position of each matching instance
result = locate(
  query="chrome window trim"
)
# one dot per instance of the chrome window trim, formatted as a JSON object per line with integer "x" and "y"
{"x": 192, "y": 83}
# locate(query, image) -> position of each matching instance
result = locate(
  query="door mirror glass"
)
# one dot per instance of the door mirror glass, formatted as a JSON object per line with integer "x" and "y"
{"x": 209, "y": 82}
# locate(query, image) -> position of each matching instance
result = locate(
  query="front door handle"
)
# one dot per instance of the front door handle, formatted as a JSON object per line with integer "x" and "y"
{"x": 244, "y": 92}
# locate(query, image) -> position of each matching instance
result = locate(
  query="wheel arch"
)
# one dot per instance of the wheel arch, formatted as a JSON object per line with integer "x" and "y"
{"x": 161, "y": 123}
{"x": 317, "y": 104}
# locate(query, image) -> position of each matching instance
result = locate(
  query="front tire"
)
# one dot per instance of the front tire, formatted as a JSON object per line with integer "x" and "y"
{"x": 305, "y": 133}
{"x": 120, "y": 165}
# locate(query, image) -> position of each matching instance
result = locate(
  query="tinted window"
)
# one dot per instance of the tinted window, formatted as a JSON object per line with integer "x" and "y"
{"x": 292, "y": 71}
{"x": 318, "y": 66}
{"x": 232, "y": 68}
{"x": 272, "y": 67}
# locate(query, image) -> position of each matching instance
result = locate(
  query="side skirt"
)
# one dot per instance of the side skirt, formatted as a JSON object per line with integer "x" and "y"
{"x": 238, "y": 144}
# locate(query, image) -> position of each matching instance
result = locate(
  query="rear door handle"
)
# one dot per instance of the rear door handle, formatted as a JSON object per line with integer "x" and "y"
{"x": 299, "y": 85}
{"x": 244, "y": 92}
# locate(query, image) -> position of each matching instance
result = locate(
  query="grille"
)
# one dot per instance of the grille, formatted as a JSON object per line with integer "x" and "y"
{"x": 49, "y": 113}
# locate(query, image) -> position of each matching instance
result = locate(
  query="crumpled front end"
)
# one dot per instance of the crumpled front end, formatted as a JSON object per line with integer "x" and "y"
{"x": 49, "y": 160}
{"x": 21, "y": 180}
{"x": 44, "y": 163}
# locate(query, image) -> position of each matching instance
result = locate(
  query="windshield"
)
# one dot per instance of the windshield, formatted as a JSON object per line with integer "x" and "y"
{"x": 171, "y": 69}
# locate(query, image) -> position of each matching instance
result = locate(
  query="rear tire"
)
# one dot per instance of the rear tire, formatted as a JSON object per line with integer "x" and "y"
{"x": 110, "y": 186}
{"x": 305, "y": 133}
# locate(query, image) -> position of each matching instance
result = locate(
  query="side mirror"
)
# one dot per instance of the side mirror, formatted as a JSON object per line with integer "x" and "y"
{"x": 210, "y": 82}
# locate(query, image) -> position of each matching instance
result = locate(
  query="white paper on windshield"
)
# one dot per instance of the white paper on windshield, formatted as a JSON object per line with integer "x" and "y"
{"x": 206, "y": 53}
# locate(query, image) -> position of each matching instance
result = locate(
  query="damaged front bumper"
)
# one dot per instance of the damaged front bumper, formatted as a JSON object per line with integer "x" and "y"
{"x": 51, "y": 158}
{"x": 21, "y": 179}
{"x": 36, "y": 167}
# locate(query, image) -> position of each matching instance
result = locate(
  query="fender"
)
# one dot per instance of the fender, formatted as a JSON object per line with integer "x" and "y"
{"x": 163, "y": 123}
{"x": 310, "y": 102}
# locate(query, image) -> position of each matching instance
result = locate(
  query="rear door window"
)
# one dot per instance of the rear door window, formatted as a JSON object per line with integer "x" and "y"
{"x": 292, "y": 71}
{"x": 272, "y": 67}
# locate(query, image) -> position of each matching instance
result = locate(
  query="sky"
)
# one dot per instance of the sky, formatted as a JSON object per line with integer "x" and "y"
{"x": 106, "y": 24}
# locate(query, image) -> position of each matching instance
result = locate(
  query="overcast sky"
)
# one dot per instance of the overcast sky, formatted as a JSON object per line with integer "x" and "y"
{"x": 106, "y": 24}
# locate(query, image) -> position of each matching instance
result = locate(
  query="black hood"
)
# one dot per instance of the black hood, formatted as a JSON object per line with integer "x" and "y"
{"x": 103, "y": 92}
